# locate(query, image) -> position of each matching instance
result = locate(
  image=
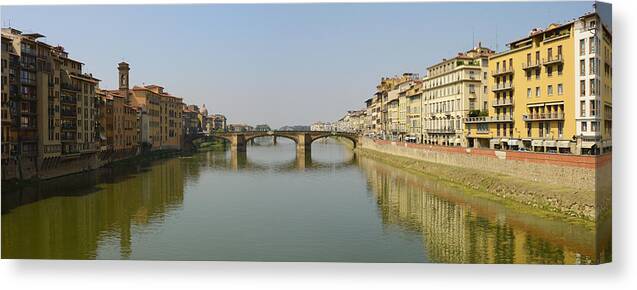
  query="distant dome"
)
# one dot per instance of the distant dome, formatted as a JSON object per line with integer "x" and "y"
{"x": 203, "y": 110}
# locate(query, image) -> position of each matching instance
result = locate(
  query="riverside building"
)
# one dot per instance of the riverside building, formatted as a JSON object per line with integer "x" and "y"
{"x": 49, "y": 106}
{"x": 550, "y": 92}
{"x": 454, "y": 89}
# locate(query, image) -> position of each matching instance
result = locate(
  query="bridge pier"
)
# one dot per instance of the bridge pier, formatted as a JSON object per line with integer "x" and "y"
{"x": 238, "y": 143}
{"x": 274, "y": 140}
{"x": 304, "y": 144}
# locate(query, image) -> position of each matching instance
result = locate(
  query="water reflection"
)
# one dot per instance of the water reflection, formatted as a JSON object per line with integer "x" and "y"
{"x": 69, "y": 218}
{"x": 271, "y": 204}
{"x": 458, "y": 228}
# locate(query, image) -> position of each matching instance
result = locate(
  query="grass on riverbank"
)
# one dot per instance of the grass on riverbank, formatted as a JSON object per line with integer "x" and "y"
{"x": 504, "y": 189}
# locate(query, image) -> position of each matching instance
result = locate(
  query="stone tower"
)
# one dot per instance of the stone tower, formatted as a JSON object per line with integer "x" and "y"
{"x": 123, "y": 69}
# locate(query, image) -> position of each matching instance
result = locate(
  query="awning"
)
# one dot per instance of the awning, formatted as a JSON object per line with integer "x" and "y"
{"x": 537, "y": 143}
{"x": 494, "y": 141}
{"x": 457, "y": 140}
{"x": 563, "y": 144}
{"x": 504, "y": 140}
{"x": 550, "y": 143}
{"x": 588, "y": 144}
{"x": 513, "y": 142}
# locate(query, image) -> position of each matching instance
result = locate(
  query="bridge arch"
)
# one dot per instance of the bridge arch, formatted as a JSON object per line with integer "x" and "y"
{"x": 350, "y": 137}
{"x": 271, "y": 134}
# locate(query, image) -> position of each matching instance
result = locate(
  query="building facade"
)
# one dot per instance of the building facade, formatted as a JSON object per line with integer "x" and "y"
{"x": 453, "y": 89}
{"x": 50, "y": 106}
{"x": 549, "y": 92}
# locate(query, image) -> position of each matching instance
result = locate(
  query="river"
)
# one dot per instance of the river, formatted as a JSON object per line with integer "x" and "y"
{"x": 271, "y": 205}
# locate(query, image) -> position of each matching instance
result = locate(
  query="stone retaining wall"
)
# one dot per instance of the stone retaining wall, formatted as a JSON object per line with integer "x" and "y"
{"x": 586, "y": 180}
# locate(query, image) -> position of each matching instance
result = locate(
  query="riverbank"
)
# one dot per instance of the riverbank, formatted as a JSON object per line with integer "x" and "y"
{"x": 577, "y": 204}
{"x": 95, "y": 164}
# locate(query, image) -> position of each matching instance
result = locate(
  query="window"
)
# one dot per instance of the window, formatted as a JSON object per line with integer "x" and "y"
{"x": 593, "y": 110}
{"x": 549, "y": 90}
{"x": 549, "y": 53}
{"x": 528, "y": 75}
{"x": 537, "y": 57}
{"x": 537, "y": 74}
{"x": 593, "y": 89}
{"x": 560, "y": 89}
{"x": 559, "y": 51}
{"x": 560, "y": 69}
{"x": 591, "y": 45}
{"x": 582, "y": 109}
{"x": 537, "y": 91}
{"x": 549, "y": 70}
{"x": 540, "y": 129}
{"x": 584, "y": 129}
{"x": 591, "y": 63}
{"x": 582, "y": 88}
{"x": 582, "y": 67}
{"x": 582, "y": 46}
{"x": 498, "y": 129}
{"x": 528, "y": 92}
{"x": 528, "y": 129}
{"x": 560, "y": 129}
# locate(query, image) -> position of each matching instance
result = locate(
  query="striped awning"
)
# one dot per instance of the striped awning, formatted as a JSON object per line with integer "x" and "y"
{"x": 550, "y": 143}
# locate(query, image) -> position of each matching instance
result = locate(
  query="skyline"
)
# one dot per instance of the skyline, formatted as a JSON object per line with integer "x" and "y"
{"x": 316, "y": 69}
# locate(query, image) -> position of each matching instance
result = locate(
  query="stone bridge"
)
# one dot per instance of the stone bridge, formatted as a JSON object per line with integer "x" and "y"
{"x": 303, "y": 139}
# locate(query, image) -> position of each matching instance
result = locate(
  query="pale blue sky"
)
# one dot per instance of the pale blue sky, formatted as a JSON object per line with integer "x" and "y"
{"x": 278, "y": 64}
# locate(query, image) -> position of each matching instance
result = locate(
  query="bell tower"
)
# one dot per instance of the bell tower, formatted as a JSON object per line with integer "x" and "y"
{"x": 123, "y": 69}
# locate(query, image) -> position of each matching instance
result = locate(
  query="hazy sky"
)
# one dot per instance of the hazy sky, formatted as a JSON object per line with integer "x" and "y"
{"x": 278, "y": 64}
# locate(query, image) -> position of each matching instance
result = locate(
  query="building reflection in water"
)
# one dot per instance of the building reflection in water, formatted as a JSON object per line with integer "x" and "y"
{"x": 103, "y": 213}
{"x": 458, "y": 228}
{"x": 70, "y": 222}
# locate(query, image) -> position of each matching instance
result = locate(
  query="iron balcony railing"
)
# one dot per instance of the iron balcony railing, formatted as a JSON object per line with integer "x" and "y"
{"x": 502, "y": 71}
{"x": 551, "y": 60}
{"x": 489, "y": 119}
{"x": 502, "y": 87}
{"x": 442, "y": 131}
{"x": 530, "y": 65}
{"x": 543, "y": 116}
{"x": 502, "y": 102}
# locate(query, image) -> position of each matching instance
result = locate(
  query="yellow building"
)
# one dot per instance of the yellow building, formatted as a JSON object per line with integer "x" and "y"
{"x": 548, "y": 92}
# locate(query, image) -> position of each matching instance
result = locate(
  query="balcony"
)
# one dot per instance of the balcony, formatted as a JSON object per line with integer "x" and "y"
{"x": 68, "y": 113}
{"x": 502, "y": 71}
{"x": 27, "y": 66}
{"x": 553, "y": 60}
{"x": 502, "y": 87}
{"x": 502, "y": 102}
{"x": 68, "y": 100}
{"x": 493, "y": 119}
{"x": 70, "y": 87}
{"x": 441, "y": 131}
{"x": 29, "y": 82}
{"x": 543, "y": 117}
{"x": 531, "y": 65}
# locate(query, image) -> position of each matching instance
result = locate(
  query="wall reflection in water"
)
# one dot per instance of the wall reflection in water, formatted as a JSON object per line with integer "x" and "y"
{"x": 458, "y": 228}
